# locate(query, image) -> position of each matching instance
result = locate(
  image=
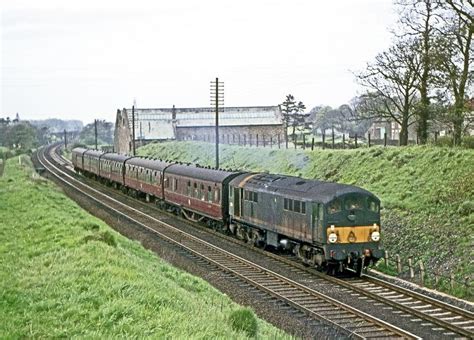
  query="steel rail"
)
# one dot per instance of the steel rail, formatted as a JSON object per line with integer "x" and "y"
{"x": 284, "y": 289}
{"x": 449, "y": 317}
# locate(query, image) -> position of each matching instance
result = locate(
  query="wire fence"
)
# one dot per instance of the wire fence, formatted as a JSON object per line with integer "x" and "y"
{"x": 415, "y": 271}
{"x": 303, "y": 141}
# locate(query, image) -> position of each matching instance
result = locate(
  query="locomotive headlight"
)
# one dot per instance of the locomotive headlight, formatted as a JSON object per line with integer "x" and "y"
{"x": 332, "y": 237}
{"x": 375, "y": 236}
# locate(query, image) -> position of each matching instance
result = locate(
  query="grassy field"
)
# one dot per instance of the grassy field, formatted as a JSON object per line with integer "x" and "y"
{"x": 64, "y": 273}
{"x": 427, "y": 192}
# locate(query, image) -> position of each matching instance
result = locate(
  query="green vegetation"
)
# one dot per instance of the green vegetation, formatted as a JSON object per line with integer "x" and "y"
{"x": 64, "y": 273}
{"x": 427, "y": 192}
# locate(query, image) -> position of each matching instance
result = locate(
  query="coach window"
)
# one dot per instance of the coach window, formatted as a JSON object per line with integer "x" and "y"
{"x": 217, "y": 195}
{"x": 255, "y": 197}
{"x": 203, "y": 192}
{"x": 195, "y": 191}
{"x": 303, "y": 207}
{"x": 188, "y": 190}
{"x": 175, "y": 180}
{"x": 290, "y": 204}
{"x": 209, "y": 194}
{"x": 285, "y": 204}
{"x": 296, "y": 206}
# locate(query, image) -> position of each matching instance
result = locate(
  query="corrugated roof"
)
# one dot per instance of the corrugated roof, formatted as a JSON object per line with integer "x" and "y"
{"x": 159, "y": 123}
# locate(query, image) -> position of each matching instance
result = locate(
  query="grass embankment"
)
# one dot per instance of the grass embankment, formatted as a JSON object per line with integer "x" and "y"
{"x": 64, "y": 273}
{"x": 427, "y": 192}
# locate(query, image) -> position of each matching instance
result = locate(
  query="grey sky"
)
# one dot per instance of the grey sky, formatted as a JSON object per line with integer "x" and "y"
{"x": 83, "y": 60}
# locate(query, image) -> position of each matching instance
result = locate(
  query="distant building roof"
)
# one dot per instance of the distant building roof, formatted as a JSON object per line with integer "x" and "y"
{"x": 162, "y": 123}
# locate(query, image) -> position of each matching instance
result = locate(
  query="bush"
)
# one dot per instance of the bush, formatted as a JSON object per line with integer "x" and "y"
{"x": 466, "y": 208}
{"x": 444, "y": 141}
{"x": 468, "y": 142}
{"x": 244, "y": 320}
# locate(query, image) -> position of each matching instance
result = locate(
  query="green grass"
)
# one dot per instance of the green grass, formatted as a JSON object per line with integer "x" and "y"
{"x": 64, "y": 273}
{"x": 427, "y": 192}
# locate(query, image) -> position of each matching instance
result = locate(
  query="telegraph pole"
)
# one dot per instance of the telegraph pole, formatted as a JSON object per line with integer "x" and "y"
{"x": 95, "y": 133}
{"x": 133, "y": 130}
{"x": 217, "y": 98}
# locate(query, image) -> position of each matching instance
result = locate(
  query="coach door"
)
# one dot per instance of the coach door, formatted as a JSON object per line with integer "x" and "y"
{"x": 236, "y": 202}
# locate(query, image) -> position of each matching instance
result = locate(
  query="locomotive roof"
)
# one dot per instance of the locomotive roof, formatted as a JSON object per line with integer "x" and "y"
{"x": 205, "y": 174}
{"x": 115, "y": 157}
{"x": 153, "y": 164}
{"x": 296, "y": 187}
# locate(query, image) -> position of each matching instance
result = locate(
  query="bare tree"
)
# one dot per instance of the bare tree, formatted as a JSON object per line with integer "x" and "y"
{"x": 454, "y": 42}
{"x": 392, "y": 82}
{"x": 418, "y": 20}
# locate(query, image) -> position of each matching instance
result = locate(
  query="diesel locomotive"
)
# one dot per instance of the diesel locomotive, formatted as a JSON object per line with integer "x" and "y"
{"x": 327, "y": 225}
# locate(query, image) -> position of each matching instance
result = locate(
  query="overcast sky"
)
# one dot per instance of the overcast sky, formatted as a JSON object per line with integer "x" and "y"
{"x": 85, "y": 59}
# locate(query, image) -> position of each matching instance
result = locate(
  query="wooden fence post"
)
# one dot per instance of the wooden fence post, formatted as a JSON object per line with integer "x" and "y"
{"x": 422, "y": 274}
{"x": 356, "y": 140}
{"x": 245, "y": 139}
{"x": 271, "y": 142}
{"x": 312, "y": 144}
{"x": 257, "y": 140}
{"x": 343, "y": 140}
{"x": 436, "y": 277}
{"x": 333, "y": 139}
{"x": 410, "y": 266}
{"x": 384, "y": 139}
{"x": 304, "y": 142}
{"x": 385, "y": 257}
{"x": 369, "y": 139}
{"x": 278, "y": 140}
{"x": 451, "y": 281}
{"x": 324, "y": 138}
{"x": 263, "y": 140}
{"x": 399, "y": 263}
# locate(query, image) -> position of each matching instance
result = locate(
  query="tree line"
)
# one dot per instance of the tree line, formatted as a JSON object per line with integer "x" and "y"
{"x": 424, "y": 79}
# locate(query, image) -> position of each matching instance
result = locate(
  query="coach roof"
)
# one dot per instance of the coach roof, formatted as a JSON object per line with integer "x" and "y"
{"x": 195, "y": 172}
{"x": 153, "y": 164}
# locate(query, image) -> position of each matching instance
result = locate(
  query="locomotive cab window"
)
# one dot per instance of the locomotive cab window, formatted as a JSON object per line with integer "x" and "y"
{"x": 334, "y": 206}
{"x": 373, "y": 205}
{"x": 352, "y": 203}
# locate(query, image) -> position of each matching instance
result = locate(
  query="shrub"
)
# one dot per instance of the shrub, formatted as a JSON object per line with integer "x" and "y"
{"x": 466, "y": 208}
{"x": 244, "y": 320}
{"x": 444, "y": 141}
{"x": 468, "y": 142}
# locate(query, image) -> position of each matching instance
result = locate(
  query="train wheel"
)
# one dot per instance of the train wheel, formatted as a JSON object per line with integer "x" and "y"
{"x": 359, "y": 267}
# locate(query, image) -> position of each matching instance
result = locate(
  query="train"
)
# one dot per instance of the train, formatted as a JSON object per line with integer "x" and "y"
{"x": 326, "y": 225}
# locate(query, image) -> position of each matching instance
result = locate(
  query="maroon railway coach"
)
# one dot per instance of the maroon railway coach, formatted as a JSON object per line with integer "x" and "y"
{"x": 201, "y": 193}
{"x": 145, "y": 175}
{"x": 78, "y": 159}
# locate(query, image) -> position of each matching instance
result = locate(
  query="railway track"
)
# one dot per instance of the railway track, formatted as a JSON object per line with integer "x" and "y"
{"x": 316, "y": 305}
{"x": 436, "y": 318}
